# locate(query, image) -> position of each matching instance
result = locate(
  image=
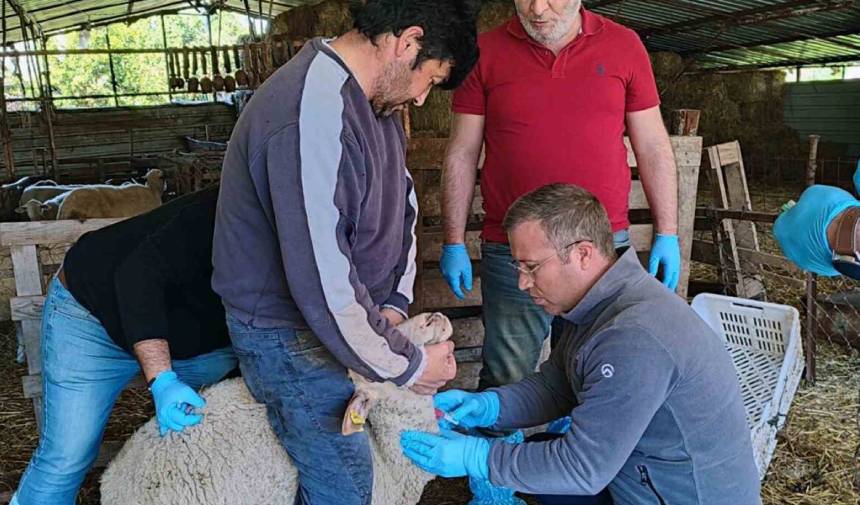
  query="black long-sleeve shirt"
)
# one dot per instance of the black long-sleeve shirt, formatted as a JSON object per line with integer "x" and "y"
{"x": 150, "y": 277}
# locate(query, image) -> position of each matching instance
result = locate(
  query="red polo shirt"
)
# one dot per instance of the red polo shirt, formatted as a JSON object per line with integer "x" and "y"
{"x": 557, "y": 119}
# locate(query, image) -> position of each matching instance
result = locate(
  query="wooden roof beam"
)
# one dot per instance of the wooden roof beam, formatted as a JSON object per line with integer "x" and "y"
{"x": 758, "y": 15}
{"x": 22, "y": 13}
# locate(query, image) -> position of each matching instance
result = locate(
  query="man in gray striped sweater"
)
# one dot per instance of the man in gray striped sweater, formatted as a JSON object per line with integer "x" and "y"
{"x": 314, "y": 247}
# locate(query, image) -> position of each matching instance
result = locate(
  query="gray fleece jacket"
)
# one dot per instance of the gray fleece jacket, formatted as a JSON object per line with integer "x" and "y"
{"x": 656, "y": 408}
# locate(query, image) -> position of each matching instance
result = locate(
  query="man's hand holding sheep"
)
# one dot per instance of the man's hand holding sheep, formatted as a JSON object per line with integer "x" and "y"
{"x": 441, "y": 368}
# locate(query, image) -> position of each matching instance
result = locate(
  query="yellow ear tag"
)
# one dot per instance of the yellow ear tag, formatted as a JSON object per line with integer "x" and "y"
{"x": 357, "y": 419}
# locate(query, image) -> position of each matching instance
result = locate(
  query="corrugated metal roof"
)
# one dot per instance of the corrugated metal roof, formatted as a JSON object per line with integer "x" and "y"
{"x": 744, "y": 33}
{"x": 719, "y": 34}
{"x": 56, "y": 16}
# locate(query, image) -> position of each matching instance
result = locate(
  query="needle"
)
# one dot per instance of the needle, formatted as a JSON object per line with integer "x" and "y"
{"x": 446, "y": 416}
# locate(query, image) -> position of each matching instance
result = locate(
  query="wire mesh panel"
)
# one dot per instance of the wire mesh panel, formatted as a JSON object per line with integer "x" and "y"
{"x": 817, "y": 457}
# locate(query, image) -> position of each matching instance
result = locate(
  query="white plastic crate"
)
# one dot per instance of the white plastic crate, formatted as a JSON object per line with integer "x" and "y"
{"x": 764, "y": 342}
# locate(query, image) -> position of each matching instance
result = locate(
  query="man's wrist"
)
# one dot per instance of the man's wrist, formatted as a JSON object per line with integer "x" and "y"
{"x": 164, "y": 375}
{"x": 154, "y": 357}
{"x": 478, "y": 465}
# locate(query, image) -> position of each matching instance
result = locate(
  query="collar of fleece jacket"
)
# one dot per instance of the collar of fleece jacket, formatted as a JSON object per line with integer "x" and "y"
{"x": 623, "y": 272}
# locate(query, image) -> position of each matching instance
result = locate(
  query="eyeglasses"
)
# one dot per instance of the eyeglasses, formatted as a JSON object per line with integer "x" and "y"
{"x": 530, "y": 272}
{"x": 848, "y": 266}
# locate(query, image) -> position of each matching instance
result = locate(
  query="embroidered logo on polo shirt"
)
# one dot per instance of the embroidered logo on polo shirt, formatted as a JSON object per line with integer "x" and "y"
{"x": 607, "y": 370}
{"x": 601, "y": 70}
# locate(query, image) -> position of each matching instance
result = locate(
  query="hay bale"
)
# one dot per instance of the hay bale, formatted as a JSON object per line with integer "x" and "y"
{"x": 434, "y": 117}
{"x": 325, "y": 19}
{"x": 331, "y": 18}
{"x": 666, "y": 65}
{"x": 494, "y": 13}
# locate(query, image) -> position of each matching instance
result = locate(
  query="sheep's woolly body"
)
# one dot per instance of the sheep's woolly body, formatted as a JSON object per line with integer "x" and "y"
{"x": 233, "y": 456}
{"x": 104, "y": 201}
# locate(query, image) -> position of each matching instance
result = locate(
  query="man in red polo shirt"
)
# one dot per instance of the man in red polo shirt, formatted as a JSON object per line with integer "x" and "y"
{"x": 551, "y": 97}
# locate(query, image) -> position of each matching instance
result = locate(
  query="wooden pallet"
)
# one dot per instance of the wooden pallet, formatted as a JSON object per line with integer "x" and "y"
{"x": 37, "y": 248}
{"x": 730, "y": 192}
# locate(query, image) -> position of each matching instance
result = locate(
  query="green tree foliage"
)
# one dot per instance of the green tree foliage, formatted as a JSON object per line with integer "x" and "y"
{"x": 90, "y": 75}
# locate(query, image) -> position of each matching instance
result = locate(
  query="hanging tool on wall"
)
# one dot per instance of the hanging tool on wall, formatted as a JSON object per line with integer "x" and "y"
{"x": 217, "y": 79}
{"x": 193, "y": 82}
{"x": 185, "y": 65}
{"x": 241, "y": 75}
{"x": 229, "y": 80}
{"x": 205, "y": 81}
{"x": 171, "y": 79}
{"x": 180, "y": 80}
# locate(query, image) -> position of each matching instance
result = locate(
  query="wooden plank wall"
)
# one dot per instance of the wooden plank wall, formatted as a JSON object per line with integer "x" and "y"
{"x": 432, "y": 293}
{"x": 83, "y": 136}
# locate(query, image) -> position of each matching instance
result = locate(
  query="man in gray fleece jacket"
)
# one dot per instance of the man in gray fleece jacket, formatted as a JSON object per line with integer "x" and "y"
{"x": 655, "y": 404}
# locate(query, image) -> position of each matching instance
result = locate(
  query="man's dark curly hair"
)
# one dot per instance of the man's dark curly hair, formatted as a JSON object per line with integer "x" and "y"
{"x": 450, "y": 29}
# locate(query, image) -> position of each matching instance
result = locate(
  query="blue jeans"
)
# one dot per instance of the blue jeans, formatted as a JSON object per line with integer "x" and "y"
{"x": 514, "y": 327}
{"x": 306, "y": 391}
{"x": 83, "y": 373}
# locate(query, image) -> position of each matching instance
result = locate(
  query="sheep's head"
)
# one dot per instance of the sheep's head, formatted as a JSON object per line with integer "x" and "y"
{"x": 427, "y": 328}
{"x": 155, "y": 180}
{"x": 34, "y": 209}
{"x": 423, "y": 329}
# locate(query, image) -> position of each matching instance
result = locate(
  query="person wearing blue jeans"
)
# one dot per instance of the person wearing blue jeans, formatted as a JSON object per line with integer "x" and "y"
{"x": 656, "y": 409}
{"x": 520, "y": 112}
{"x": 131, "y": 298}
{"x": 314, "y": 247}
{"x": 292, "y": 368}
{"x": 514, "y": 326}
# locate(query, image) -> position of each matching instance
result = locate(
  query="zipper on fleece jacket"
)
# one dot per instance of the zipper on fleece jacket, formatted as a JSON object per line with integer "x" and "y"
{"x": 645, "y": 480}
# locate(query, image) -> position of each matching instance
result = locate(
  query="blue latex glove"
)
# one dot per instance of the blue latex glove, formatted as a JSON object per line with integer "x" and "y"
{"x": 857, "y": 179}
{"x": 666, "y": 251}
{"x": 456, "y": 268}
{"x": 469, "y": 410}
{"x": 802, "y": 229}
{"x": 449, "y": 454}
{"x": 172, "y": 397}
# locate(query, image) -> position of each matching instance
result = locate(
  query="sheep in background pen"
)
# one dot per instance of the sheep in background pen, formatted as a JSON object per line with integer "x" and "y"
{"x": 233, "y": 456}
{"x": 37, "y": 210}
{"x": 43, "y": 191}
{"x": 105, "y": 201}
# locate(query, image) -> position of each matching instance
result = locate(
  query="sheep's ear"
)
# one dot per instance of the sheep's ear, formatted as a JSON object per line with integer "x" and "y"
{"x": 20, "y": 210}
{"x": 356, "y": 413}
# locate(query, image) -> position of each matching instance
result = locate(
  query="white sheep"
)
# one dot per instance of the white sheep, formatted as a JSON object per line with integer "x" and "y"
{"x": 233, "y": 456}
{"x": 43, "y": 191}
{"x": 42, "y": 211}
{"x": 104, "y": 201}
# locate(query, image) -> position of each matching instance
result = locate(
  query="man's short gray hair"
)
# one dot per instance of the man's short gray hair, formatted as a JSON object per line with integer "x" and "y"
{"x": 567, "y": 214}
